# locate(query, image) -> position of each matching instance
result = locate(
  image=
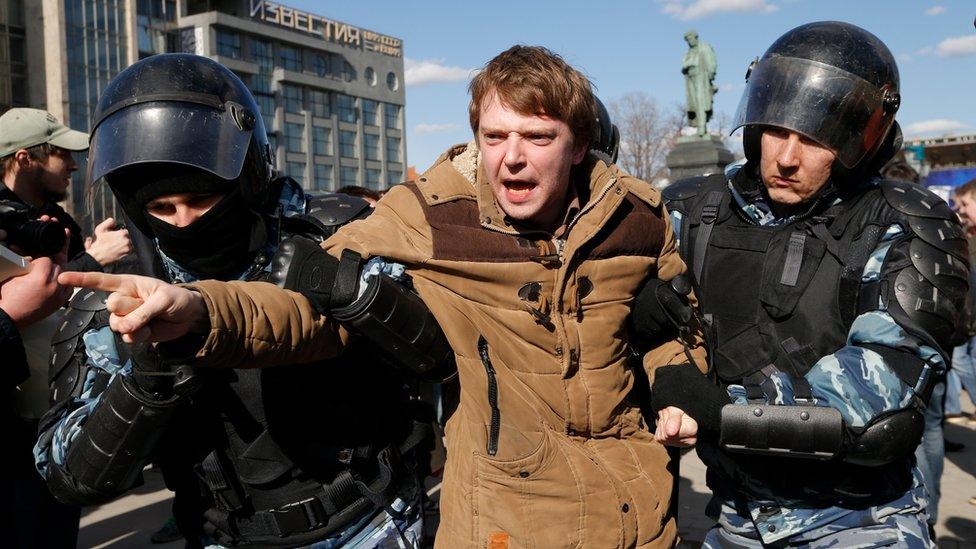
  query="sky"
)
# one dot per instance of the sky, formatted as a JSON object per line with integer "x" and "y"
{"x": 628, "y": 46}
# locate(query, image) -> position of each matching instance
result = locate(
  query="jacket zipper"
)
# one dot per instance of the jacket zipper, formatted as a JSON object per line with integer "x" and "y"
{"x": 492, "y": 396}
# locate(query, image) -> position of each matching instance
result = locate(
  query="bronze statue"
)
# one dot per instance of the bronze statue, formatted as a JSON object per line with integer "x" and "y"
{"x": 699, "y": 67}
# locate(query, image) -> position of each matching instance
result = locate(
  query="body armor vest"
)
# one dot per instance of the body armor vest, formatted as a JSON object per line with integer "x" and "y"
{"x": 784, "y": 296}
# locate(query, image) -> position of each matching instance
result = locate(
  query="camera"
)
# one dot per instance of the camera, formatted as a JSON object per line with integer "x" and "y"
{"x": 33, "y": 237}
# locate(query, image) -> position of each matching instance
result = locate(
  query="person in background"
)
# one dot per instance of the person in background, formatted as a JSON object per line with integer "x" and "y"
{"x": 37, "y": 163}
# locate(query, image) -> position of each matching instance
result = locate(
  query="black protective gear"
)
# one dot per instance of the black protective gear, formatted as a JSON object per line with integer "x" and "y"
{"x": 793, "y": 431}
{"x": 240, "y": 455}
{"x": 301, "y": 265}
{"x": 220, "y": 244}
{"x": 66, "y": 368}
{"x": 819, "y": 432}
{"x": 930, "y": 293}
{"x": 400, "y": 325}
{"x": 119, "y": 439}
{"x": 180, "y": 109}
{"x": 393, "y": 318}
{"x": 661, "y": 309}
{"x": 684, "y": 386}
{"x": 787, "y": 295}
{"x": 325, "y": 214}
{"x": 887, "y": 438}
{"x": 606, "y": 141}
{"x": 833, "y": 82}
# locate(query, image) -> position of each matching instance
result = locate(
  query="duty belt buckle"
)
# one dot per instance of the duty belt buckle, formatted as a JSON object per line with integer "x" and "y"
{"x": 296, "y": 517}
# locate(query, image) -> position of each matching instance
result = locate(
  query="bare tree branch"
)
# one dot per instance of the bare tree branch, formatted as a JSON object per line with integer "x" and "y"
{"x": 647, "y": 134}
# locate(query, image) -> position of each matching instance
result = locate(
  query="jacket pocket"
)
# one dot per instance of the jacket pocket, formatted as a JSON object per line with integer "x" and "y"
{"x": 534, "y": 500}
{"x": 496, "y": 416}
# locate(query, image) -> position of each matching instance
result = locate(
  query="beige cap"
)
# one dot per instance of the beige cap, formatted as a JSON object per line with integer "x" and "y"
{"x": 21, "y": 128}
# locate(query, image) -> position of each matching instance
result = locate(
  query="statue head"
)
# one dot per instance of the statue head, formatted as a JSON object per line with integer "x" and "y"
{"x": 692, "y": 38}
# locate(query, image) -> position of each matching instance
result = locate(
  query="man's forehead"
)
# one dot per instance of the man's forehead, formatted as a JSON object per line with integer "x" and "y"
{"x": 496, "y": 115}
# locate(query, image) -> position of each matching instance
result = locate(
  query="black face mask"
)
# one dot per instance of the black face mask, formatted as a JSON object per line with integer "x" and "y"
{"x": 217, "y": 245}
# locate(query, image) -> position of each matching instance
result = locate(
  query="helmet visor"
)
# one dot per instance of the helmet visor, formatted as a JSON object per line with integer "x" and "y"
{"x": 182, "y": 133}
{"x": 833, "y": 107}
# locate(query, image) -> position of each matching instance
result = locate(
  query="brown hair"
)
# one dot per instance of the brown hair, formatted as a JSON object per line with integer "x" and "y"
{"x": 37, "y": 152}
{"x": 535, "y": 81}
{"x": 968, "y": 187}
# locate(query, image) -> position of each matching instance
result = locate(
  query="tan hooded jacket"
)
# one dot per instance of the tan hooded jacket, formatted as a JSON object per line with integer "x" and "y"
{"x": 569, "y": 461}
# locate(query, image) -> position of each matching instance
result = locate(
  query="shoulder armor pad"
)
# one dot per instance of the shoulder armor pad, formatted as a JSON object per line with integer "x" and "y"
{"x": 921, "y": 306}
{"x": 88, "y": 300}
{"x": 65, "y": 367}
{"x": 927, "y": 216}
{"x": 683, "y": 189}
{"x": 915, "y": 200}
{"x": 326, "y": 213}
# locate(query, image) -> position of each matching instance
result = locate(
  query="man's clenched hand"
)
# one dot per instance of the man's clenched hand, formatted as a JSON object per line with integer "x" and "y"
{"x": 675, "y": 428}
{"x": 110, "y": 243}
{"x": 145, "y": 309}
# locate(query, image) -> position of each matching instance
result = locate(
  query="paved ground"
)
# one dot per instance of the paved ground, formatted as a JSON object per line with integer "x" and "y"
{"x": 128, "y": 522}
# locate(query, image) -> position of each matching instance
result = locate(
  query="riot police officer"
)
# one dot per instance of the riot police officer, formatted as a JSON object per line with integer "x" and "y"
{"x": 290, "y": 455}
{"x": 830, "y": 294}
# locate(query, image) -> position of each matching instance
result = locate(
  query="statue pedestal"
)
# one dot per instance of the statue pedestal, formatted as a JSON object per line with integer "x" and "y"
{"x": 693, "y": 156}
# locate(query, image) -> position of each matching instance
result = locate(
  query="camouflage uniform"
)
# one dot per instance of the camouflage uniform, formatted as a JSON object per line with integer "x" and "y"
{"x": 104, "y": 362}
{"x": 854, "y": 379}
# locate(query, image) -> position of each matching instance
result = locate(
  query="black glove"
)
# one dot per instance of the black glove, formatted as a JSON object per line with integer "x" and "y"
{"x": 684, "y": 387}
{"x": 660, "y": 308}
{"x": 159, "y": 377}
{"x": 302, "y": 265}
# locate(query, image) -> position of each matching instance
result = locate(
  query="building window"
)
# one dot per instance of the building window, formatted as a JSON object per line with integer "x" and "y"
{"x": 291, "y": 58}
{"x": 228, "y": 44}
{"x": 346, "y": 106}
{"x": 349, "y": 175}
{"x": 393, "y": 149}
{"x": 371, "y": 112}
{"x": 296, "y": 170}
{"x": 392, "y": 81}
{"x": 373, "y": 178}
{"x": 392, "y": 116}
{"x": 394, "y": 177}
{"x": 294, "y": 137}
{"x": 321, "y": 103}
{"x": 348, "y": 71}
{"x": 370, "y": 75}
{"x": 267, "y": 105}
{"x": 323, "y": 65}
{"x": 322, "y": 140}
{"x": 294, "y": 98}
{"x": 323, "y": 177}
{"x": 347, "y": 144}
{"x": 371, "y": 146}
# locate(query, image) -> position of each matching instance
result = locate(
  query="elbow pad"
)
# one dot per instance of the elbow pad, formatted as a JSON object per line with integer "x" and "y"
{"x": 115, "y": 443}
{"x": 817, "y": 432}
{"x": 401, "y": 326}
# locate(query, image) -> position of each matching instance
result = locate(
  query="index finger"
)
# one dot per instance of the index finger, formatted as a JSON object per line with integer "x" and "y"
{"x": 99, "y": 281}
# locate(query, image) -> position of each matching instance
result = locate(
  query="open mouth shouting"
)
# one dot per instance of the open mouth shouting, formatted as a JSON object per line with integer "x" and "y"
{"x": 517, "y": 191}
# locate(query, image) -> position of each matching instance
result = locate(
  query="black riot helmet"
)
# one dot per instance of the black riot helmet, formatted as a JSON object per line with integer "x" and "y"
{"x": 185, "y": 110}
{"x": 832, "y": 82}
{"x": 606, "y": 140}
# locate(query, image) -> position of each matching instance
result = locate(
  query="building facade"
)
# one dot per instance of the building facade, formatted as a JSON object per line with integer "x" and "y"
{"x": 331, "y": 94}
{"x": 13, "y": 55}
